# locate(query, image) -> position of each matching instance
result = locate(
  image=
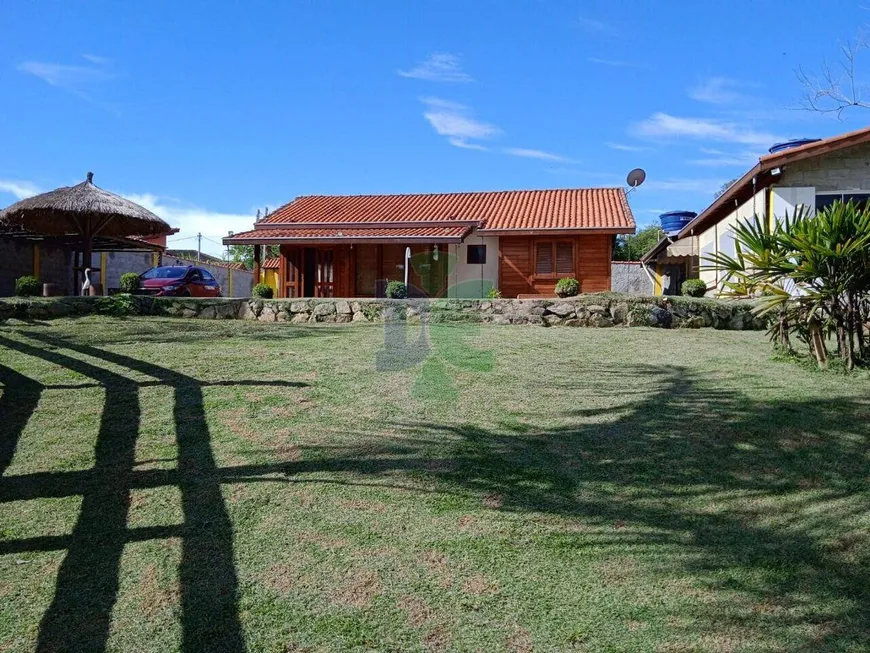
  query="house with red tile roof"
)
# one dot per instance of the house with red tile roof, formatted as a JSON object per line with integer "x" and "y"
{"x": 445, "y": 244}
{"x": 807, "y": 173}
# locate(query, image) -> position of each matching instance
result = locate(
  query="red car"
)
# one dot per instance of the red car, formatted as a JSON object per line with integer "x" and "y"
{"x": 179, "y": 281}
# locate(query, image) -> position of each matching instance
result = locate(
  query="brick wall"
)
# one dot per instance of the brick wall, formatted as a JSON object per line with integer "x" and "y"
{"x": 847, "y": 169}
{"x": 16, "y": 260}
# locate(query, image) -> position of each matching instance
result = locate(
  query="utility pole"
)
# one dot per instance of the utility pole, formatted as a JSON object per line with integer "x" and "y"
{"x": 199, "y": 247}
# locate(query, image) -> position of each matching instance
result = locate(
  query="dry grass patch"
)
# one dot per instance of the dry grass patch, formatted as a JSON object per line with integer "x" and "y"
{"x": 417, "y": 610}
{"x": 358, "y": 589}
{"x": 154, "y": 597}
{"x": 519, "y": 641}
{"x": 437, "y": 639}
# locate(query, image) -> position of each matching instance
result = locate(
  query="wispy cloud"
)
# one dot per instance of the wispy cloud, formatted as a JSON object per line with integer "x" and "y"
{"x": 439, "y": 67}
{"x": 701, "y": 186}
{"x": 213, "y": 225}
{"x": 18, "y": 188}
{"x": 100, "y": 61}
{"x": 596, "y": 26}
{"x": 616, "y": 63}
{"x": 78, "y": 79}
{"x": 466, "y": 145}
{"x": 664, "y": 126}
{"x": 718, "y": 158}
{"x": 535, "y": 154}
{"x": 455, "y": 121}
{"x": 719, "y": 90}
{"x": 628, "y": 148}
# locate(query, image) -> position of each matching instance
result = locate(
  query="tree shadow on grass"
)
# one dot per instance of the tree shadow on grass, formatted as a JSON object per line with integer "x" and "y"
{"x": 676, "y": 464}
{"x": 17, "y": 403}
{"x": 79, "y": 616}
{"x": 757, "y": 493}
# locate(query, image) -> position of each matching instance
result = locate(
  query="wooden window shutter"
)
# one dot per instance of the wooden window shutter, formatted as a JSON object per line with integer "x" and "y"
{"x": 544, "y": 258}
{"x": 564, "y": 258}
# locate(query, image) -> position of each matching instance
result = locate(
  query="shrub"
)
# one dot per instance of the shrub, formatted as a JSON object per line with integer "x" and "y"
{"x": 262, "y": 291}
{"x": 117, "y": 306}
{"x": 693, "y": 288}
{"x": 396, "y": 290}
{"x": 130, "y": 282}
{"x": 494, "y": 293}
{"x": 28, "y": 287}
{"x": 567, "y": 287}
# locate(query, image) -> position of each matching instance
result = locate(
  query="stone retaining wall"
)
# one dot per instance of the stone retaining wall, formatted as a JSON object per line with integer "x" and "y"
{"x": 596, "y": 310}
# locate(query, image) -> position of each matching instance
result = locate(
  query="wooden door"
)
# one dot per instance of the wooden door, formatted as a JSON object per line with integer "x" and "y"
{"x": 324, "y": 280}
{"x": 292, "y": 286}
{"x": 366, "y": 270}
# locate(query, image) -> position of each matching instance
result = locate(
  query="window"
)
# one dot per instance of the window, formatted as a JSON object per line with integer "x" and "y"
{"x": 476, "y": 255}
{"x": 554, "y": 258}
{"x": 207, "y": 276}
{"x": 825, "y": 200}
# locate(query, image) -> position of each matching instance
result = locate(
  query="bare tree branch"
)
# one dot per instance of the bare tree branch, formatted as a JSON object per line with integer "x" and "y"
{"x": 834, "y": 92}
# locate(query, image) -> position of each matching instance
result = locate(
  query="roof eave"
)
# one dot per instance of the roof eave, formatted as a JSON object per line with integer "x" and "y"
{"x": 557, "y": 231}
{"x": 771, "y": 162}
{"x": 347, "y": 240}
{"x": 361, "y": 224}
{"x": 734, "y": 191}
{"x": 656, "y": 249}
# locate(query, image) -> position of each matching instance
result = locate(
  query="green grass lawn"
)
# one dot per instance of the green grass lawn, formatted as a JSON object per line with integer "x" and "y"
{"x": 227, "y": 486}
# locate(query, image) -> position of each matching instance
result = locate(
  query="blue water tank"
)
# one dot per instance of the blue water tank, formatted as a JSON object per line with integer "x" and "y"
{"x": 779, "y": 147}
{"x": 674, "y": 221}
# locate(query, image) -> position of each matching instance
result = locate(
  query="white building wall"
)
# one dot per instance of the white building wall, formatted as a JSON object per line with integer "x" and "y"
{"x": 845, "y": 171}
{"x": 719, "y": 239}
{"x": 787, "y": 200}
{"x": 473, "y": 281}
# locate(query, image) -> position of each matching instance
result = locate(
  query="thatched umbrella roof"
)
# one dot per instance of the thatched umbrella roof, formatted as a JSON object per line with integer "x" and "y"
{"x": 85, "y": 210}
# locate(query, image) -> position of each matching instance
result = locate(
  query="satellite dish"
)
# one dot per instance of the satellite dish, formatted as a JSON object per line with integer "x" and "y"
{"x": 636, "y": 177}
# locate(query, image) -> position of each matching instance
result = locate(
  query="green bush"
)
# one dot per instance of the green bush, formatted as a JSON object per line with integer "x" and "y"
{"x": 396, "y": 290}
{"x": 130, "y": 282}
{"x": 262, "y": 291}
{"x": 117, "y": 306}
{"x": 28, "y": 287}
{"x": 567, "y": 287}
{"x": 693, "y": 288}
{"x": 494, "y": 293}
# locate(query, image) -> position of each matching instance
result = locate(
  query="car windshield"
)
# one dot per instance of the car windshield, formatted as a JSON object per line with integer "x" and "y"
{"x": 170, "y": 272}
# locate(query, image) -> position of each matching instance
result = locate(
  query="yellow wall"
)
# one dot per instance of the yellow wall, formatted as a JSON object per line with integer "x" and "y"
{"x": 270, "y": 278}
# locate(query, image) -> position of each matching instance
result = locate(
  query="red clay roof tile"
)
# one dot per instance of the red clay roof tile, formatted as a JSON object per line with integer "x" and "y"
{"x": 568, "y": 209}
{"x": 434, "y": 234}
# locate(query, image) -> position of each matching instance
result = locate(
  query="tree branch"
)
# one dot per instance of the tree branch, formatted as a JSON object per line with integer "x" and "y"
{"x": 833, "y": 92}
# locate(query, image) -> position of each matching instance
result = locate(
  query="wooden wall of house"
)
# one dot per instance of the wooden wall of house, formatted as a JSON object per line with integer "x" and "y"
{"x": 359, "y": 270}
{"x": 517, "y": 256}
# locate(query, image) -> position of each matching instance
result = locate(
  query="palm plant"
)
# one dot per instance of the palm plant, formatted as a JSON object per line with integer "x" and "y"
{"x": 810, "y": 270}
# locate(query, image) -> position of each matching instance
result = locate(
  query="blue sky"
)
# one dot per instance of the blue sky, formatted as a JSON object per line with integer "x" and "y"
{"x": 206, "y": 111}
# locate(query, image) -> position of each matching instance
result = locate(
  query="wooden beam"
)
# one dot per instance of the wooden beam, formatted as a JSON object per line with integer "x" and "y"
{"x": 257, "y": 263}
